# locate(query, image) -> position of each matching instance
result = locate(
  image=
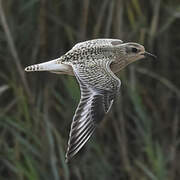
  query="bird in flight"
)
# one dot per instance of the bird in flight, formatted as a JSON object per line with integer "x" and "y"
{"x": 93, "y": 63}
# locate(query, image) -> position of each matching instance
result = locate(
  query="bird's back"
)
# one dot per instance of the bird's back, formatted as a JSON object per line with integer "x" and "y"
{"x": 91, "y": 50}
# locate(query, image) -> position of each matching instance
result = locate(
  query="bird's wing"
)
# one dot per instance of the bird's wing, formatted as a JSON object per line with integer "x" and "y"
{"x": 98, "y": 86}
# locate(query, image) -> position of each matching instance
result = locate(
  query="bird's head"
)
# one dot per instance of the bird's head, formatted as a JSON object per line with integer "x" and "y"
{"x": 127, "y": 53}
{"x": 134, "y": 51}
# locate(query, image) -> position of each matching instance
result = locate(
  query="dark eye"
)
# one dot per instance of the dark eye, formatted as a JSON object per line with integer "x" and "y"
{"x": 134, "y": 50}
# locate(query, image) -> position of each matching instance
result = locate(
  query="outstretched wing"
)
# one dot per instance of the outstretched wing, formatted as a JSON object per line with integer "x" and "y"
{"x": 99, "y": 87}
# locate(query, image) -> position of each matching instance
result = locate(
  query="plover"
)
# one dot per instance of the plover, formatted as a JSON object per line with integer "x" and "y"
{"x": 93, "y": 63}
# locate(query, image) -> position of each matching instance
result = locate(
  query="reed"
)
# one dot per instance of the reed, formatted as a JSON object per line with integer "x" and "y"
{"x": 139, "y": 139}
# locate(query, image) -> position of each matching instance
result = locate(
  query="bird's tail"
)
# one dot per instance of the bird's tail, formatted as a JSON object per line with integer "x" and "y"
{"x": 52, "y": 65}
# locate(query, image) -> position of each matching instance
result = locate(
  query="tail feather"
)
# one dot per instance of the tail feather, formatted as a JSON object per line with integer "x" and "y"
{"x": 35, "y": 67}
{"x": 46, "y": 66}
{"x": 54, "y": 66}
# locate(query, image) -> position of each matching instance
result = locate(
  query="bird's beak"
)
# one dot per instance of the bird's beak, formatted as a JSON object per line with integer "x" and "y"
{"x": 52, "y": 65}
{"x": 147, "y": 54}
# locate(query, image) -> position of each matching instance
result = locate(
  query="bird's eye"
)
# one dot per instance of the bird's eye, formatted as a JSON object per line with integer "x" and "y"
{"x": 134, "y": 50}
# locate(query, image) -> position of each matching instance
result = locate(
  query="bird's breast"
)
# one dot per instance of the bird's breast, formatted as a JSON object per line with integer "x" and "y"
{"x": 117, "y": 65}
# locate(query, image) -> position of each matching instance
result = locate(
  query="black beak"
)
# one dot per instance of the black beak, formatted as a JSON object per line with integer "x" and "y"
{"x": 147, "y": 54}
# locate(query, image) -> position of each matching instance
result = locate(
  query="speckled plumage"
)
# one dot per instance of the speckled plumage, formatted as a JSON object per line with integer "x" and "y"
{"x": 93, "y": 63}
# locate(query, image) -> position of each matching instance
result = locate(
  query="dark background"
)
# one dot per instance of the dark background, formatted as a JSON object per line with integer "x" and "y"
{"x": 138, "y": 140}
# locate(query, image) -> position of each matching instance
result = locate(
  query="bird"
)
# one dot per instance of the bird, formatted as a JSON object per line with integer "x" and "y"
{"x": 94, "y": 64}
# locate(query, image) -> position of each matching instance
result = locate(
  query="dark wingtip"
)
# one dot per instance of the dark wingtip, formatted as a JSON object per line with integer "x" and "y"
{"x": 66, "y": 160}
{"x": 67, "y": 157}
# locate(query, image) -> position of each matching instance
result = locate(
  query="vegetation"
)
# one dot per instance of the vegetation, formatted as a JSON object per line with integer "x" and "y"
{"x": 138, "y": 140}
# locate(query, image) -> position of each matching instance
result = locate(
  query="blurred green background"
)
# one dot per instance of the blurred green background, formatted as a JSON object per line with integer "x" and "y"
{"x": 140, "y": 137}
